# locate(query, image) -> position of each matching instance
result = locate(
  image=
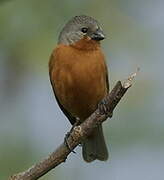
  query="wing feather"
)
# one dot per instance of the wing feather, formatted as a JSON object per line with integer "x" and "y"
{"x": 71, "y": 118}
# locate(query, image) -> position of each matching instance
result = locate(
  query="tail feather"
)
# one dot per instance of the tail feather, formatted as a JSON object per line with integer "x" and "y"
{"x": 94, "y": 147}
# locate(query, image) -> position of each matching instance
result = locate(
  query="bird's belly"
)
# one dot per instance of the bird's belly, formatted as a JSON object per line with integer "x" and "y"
{"x": 81, "y": 91}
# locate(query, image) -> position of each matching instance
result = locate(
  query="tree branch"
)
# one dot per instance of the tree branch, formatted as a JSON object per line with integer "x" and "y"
{"x": 76, "y": 135}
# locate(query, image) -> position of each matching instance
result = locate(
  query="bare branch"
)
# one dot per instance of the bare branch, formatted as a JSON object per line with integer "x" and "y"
{"x": 76, "y": 135}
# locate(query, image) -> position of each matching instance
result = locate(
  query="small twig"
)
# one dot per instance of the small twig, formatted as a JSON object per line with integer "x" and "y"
{"x": 78, "y": 133}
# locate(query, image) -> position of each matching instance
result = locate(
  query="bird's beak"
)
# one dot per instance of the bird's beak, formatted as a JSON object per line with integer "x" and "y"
{"x": 98, "y": 35}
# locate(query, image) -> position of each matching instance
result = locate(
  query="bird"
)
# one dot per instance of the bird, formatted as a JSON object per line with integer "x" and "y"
{"x": 79, "y": 78}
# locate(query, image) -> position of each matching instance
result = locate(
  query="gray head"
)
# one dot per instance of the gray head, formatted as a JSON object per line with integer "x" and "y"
{"x": 79, "y": 27}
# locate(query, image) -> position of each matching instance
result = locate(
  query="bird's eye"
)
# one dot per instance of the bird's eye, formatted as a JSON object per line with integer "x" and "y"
{"x": 84, "y": 29}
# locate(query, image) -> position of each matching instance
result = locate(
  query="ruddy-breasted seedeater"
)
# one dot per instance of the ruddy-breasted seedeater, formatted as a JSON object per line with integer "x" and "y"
{"x": 79, "y": 77}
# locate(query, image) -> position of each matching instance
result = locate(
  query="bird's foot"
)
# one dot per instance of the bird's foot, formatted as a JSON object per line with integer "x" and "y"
{"x": 67, "y": 143}
{"x": 104, "y": 109}
{"x": 69, "y": 133}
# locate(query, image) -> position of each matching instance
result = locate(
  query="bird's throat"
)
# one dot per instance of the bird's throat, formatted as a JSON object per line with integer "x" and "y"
{"x": 86, "y": 44}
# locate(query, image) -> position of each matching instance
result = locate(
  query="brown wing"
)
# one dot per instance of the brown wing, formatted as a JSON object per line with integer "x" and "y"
{"x": 71, "y": 118}
{"x": 107, "y": 79}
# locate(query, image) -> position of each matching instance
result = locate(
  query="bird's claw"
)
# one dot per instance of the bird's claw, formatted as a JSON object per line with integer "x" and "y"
{"x": 66, "y": 142}
{"x": 104, "y": 109}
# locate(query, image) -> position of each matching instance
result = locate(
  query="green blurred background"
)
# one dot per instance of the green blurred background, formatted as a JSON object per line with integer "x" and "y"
{"x": 31, "y": 123}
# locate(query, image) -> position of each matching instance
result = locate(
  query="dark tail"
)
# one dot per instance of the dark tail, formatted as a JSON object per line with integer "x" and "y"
{"x": 94, "y": 147}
